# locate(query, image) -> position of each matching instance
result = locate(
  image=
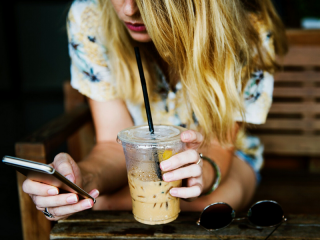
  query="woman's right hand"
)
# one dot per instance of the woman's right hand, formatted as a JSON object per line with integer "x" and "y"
{"x": 59, "y": 205}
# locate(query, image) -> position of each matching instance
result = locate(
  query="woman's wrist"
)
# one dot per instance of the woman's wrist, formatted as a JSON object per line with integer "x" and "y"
{"x": 212, "y": 175}
{"x": 208, "y": 176}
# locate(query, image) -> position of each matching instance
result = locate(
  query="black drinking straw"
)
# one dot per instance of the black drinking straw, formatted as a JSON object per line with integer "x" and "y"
{"x": 146, "y": 103}
{"x": 144, "y": 90}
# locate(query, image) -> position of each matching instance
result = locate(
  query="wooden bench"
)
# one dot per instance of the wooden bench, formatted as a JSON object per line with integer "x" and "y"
{"x": 292, "y": 130}
{"x": 293, "y": 125}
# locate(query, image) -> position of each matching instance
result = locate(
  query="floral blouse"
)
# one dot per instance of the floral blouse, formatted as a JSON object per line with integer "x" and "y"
{"x": 91, "y": 76}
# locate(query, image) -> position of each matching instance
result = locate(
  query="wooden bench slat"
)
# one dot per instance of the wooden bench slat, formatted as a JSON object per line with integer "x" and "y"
{"x": 289, "y": 124}
{"x": 296, "y": 92}
{"x": 54, "y": 133}
{"x": 303, "y": 37}
{"x": 301, "y": 76}
{"x": 295, "y": 108}
{"x": 291, "y": 144}
{"x": 302, "y": 56}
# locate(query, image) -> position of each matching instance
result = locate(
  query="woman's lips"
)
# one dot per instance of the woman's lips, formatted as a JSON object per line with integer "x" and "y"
{"x": 136, "y": 27}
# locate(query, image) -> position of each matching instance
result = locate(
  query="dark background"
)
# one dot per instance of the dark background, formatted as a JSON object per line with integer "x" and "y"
{"x": 34, "y": 63}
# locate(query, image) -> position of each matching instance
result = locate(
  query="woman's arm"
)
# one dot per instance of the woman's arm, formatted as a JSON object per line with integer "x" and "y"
{"x": 237, "y": 189}
{"x": 238, "y": 179}
{"x": 222, "y": 156}
{"x": 105, "y": 167}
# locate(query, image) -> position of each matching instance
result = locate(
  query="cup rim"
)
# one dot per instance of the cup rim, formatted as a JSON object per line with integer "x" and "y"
{"x": 122, "y": 137}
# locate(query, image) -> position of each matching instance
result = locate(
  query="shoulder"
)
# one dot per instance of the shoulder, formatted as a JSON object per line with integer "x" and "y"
{"x": 84, "y": 32}
{"x": 90, "y": 73}
{"x": 84, "y": 12}
{"x": 78, "y": 6}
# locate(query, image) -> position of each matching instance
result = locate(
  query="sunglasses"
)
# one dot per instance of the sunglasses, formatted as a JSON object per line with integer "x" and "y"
{"x": 266, "y": 213}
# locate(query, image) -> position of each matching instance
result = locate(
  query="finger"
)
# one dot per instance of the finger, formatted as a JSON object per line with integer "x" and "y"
{"x": 193, "y": 170}
{"x": 62, "y": 163}
{"x": 70, "y": 209}
{"x": 94, "y": 193}
{"x": 55, "y": 218}
{"x": 40, "y": 208}
{"x": 180, "y": 159}
{"x": 194, "y": 181}
{"x": 36, "y": 188}
{"x": 55, "y": 201}
{"x": 186, "y": 192}
{"x": 192, "y": 138}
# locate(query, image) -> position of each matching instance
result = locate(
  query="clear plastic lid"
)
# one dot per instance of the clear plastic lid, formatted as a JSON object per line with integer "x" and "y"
{"x": 141, "y": 135}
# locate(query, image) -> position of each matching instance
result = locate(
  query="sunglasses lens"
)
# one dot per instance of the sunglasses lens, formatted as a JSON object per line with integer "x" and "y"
{"x": 265, "y": 214}
{"x": 216, "y": 216}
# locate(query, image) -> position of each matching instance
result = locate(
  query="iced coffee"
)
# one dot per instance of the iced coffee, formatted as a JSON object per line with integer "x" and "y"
{"x": 151, "y": 199}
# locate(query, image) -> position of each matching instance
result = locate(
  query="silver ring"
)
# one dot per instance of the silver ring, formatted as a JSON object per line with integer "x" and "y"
{"x": 47, "y": 214}
{"x": 200, "y": 154}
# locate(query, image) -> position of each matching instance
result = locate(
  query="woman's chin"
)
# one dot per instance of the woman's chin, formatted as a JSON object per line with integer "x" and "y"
{"x": 140, "y": 36}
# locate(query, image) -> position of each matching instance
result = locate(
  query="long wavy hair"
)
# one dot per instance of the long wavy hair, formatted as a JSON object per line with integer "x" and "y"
{"x": 212, "y": 45}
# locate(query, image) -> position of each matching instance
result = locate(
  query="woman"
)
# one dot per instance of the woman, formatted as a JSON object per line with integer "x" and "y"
{"x": 208, "y": 66}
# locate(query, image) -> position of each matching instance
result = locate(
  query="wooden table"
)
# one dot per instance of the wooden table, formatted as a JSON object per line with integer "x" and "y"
{"x": 121, "y": 225}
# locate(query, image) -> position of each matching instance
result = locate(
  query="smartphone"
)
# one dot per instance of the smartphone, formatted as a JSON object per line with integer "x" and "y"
{"x": 45, "y": 174}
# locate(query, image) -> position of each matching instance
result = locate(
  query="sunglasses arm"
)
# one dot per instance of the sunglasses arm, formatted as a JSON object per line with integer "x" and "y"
{"x": 284, "y": 220}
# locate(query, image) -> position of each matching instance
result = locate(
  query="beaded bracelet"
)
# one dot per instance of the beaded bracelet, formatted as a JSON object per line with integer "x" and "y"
{"x": 217, "y": 175}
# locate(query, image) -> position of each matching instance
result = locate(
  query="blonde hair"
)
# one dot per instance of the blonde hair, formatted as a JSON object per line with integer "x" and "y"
{"x": 263, "y": 11}
{"x": 205, "y": 42}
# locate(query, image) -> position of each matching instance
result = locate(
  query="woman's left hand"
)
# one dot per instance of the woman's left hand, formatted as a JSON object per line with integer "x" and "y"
{"x": 186, "y": 165}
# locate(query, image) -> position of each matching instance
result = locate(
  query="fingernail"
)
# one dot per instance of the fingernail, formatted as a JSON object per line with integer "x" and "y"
{"x": 174, "y": 192}
{"x": 86, "y": 204}
{"x": 168, "y": 176}
{"x": 70, "y": 177}
{"x": 186, "y": 136}
{"x": 95, "y": 193}
{"x": 165, "y": 165}
{"x": 72, "y": 199}
{"x": 53, "y": 191}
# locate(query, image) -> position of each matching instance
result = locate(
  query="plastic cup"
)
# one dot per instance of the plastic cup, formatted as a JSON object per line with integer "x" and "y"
{"x": 151, "y": 201}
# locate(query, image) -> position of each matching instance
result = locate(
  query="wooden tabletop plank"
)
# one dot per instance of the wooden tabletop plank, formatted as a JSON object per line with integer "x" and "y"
{"x": 121, "y": 225}
{"x": 127, "y": 217}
